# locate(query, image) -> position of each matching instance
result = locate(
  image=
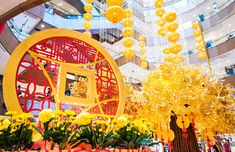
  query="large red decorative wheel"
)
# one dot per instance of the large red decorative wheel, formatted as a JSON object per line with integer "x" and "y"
{"x": 62, "y": 69}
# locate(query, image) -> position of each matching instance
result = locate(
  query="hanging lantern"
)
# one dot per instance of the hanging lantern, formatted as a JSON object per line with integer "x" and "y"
{"x": 143, "y": 58}
{"x": 114, "y": 14}
{"x": 170, "y": 17}
{"x": 144, "y": 64}
{"x": 88, "y": 8}
{"x": 129, "y": 53}
{"x": 167, "y": 50}
{"x": 128, "y": 42}
{"x": 87, "y": 33}
{"x": 160, "y": 12}
{"x": 198, "y": 39}
{"x": 159, "y": 3}
{"x": 197, "y": 33}
{"x": 127, "y": 22}
{"x": 142, "y": 37}
{"x": 176, "y": 48}
{"x": 143, "y": 51}
{"x": 128, "y": 13}
{"x": 161, "y": 22}
{"x": 162, "y": 31}
{"x": 128, "y": 32}
{"x": 202, "y": 55}
{"x": 114, "y": 2}
{"x": 200, "y": 47}
{"x": 172, "y": 27}
{"x": 142, "y": 43}
{"x": 87, "y": 17}
{"x": 195, "y": 25}
{"x": 89, "y": 1}
{"x": 173, "y": 37}
{"x": 87, "y": 25}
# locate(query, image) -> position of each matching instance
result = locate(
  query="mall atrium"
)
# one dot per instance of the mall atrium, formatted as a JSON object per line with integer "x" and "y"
{"x": 117, "y": 75}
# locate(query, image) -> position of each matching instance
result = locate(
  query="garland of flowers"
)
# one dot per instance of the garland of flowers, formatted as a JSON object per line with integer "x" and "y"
{"x": 88, "y": 17}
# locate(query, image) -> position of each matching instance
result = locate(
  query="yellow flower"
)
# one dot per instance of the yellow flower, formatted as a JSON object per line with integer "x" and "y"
{"x": 83, "y": 118}
{"x": 139, "y": 123}
{"x": 57, "y": 113}
{"x": 46, "y": 115}
{"x": 6, "y": 123}
{"x": 70, "y": 112}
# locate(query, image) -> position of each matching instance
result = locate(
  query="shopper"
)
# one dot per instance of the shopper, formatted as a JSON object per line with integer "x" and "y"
{"x": 227, "y": 146}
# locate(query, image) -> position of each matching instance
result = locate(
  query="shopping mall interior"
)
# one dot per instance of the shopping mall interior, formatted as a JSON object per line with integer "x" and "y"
{"x": 95, "y": 49}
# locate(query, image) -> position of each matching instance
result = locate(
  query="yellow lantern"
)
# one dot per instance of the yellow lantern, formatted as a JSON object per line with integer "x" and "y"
{"x": 170, "y": 17}
{"x": 173, "y": 37}
{"x": 167, "y": 50}
{"x": 114, "y": 2}
{"x": 144, "y": 64}
{"x": 176, "y": 48}
{"x": 87, "y": 25}
{"x": 161, "y": 22}
{"x": 172, "y": 27}
{"x": 87, "y": 16}
{"x": 202, "y": 55}
{"x": 197, "y": 33}
{"x": 128, "y": 42}
{"x": 87, "y": 33}
{"x": 88, "y": 8}
{"x": 143, "y": 58}
{"x": 127, "y": 22}
{"x": 162, "y": 31}
{"x": 143, "y": 51}
{"x": 160, "y": 12}
{"x": 159, "y": 3}
{"x": 89, "y": 1}
{"x": 128, "y": 32}
{"x": 200, "y": 47}
{"x": 142, "y": 43}
{"x": 198, "y": 39}
{"x": 129, "y": 53}
{"x": 195, "y": 25}
{"x": 142, "y": 37}
{"x": 128, "y": 13}
{"x": 114, "y": 14}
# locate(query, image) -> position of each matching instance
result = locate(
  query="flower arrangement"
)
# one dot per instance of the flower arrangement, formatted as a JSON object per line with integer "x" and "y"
{"x": 66, "y": 130}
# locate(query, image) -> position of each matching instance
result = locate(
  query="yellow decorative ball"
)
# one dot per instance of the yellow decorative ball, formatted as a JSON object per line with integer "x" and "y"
{"x": 128, "y": 32}
{"x": 197, "y": 33}
{"x": 143, "y": 58}
{"x": 128, "y": 13}
{"x": 171, "y": 17}
{"x": 198, "y": 39}
{"x": 173, "y": 37}
{"x": 195, "y": 25}
{"x": 202, "y": 55}
{"x": 143, "y": 51}
{"x": 114, "y": 2}
{"x": 159, "y": 3}
{"x": 160, "y": 12}
{"x": 128, "y": 42}
{"x": 127, "y": 22}
{"x": 88, "y": 16}
{"x": 88, "y": 8}
{"x": 162, "y": 31}
{"x": 89, "y": 1}
{"x": 161, "y": 22}
{"x": 142, "y": 43}
{"x": 144, "y": 65}
{"x": 167, "y": 50}
{"x": 114, "y": 14}
{"x": 200, "y": 47}
{"x": 142, "y": 37}
{"x": 87, "y": 25}
{"x": 87, "y": 33}
{"x": 172, "y": 27}
{"x": 129, "y": 53}
{"x": 176, "y": 48}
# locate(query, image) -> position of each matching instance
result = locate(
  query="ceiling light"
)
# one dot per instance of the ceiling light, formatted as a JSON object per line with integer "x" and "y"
{"x": 229, "y": 24}
{"x": 71, "y": 10}
{"x": 194, "y": 15}
{"x": 42, "y": 25}
{"x": 120, "y": 35}
{"x": 60, "y": 4}
{"x": 227, "y": 61}
{"x": 208, "y": 7}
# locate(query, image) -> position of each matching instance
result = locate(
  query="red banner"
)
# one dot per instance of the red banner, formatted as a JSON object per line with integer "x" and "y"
{"x": 2, "y": 27}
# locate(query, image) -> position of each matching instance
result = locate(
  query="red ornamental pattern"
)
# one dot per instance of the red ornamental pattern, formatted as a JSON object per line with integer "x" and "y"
{"x": 34, "y": 91}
